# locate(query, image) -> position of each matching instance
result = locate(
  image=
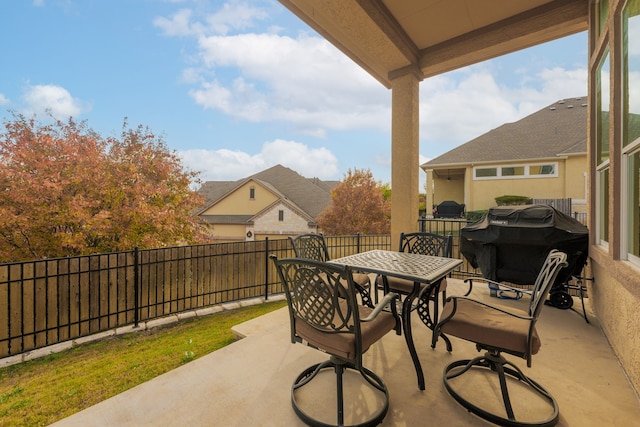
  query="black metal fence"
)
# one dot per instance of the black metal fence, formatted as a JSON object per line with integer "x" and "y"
{"x": 45, "y": 302}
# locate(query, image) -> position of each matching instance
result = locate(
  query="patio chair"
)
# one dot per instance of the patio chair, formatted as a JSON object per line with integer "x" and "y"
{"x": 424, "y": 244}
{"x": 498, "y": 330}
{"x": 325, "y": 315}
{"x": 313, "y": 246}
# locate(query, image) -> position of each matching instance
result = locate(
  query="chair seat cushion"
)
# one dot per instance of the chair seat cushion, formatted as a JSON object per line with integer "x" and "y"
{"x": 487, "y": 326}
{"x": 404, "y": 286}
{"x": 343, "y": 344}
{"x": 362, "y": 279}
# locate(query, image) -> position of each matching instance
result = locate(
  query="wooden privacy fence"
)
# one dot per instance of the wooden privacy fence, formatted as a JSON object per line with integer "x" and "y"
{"x": 45, "y": 302}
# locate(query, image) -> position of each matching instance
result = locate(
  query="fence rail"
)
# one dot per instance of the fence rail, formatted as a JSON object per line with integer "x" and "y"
{"x": 45, "y": 302}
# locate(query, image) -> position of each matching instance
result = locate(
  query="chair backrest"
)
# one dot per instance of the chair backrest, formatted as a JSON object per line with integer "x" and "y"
{"x": 555, "y": 262}
{"x": 310, "y": 246}
{"x": 426, "y": 244}
{"x": 320, "y": 305}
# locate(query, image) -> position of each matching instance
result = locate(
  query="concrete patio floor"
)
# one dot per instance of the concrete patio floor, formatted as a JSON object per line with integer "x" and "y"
{"x": 248, "y": 383}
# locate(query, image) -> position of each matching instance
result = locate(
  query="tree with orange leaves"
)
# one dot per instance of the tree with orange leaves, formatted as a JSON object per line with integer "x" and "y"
{"x": 358, "y": 205}
{"x": 65, "y": 190}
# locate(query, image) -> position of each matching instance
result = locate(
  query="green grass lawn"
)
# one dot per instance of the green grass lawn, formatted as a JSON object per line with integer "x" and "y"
{"x": 42, "y": 391}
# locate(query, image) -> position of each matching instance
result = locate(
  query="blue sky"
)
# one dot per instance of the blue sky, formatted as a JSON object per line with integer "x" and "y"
{"x": 238, "y": 86}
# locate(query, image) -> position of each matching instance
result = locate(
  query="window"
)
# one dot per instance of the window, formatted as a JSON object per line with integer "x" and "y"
{"x": 631, "y": 127}
{"x": 602, "y": 149}
{"x": 603, "y": 205}
{"x": 513, "y": 171}
{"x": 602, "y": 106}
{"x": 280, "y": 215}
{"x": 633, "y": 208}
{"x": 252, "y": 193}
{"x": 542, "y": 170}
{"x": 521, "y": 171}
{"x": 486, "y": 172}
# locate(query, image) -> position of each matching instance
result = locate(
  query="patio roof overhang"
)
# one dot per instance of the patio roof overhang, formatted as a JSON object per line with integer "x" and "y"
{"x": 400, "y": 43}
{"x": 428, "y": 37}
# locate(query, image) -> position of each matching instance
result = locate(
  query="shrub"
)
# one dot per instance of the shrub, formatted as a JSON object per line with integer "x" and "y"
{"x": 512, "y": 200}
{"x": 473, "y": 216}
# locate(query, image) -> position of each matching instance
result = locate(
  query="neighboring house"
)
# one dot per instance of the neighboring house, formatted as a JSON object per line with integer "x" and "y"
{"x": 273, "y": 203}
{"x": 542, "y": 156}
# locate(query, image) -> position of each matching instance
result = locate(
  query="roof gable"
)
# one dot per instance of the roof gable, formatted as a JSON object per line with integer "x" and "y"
{"x": 311, "y": 196}
{"x": 282, "y": 203}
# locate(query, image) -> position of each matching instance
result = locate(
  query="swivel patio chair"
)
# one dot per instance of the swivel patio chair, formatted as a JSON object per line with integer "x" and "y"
{"x": 424, "y": 244}
{"x": 498, "y": 330}
{"x": 325, "y": 315}
{"x": 313, "y": 246}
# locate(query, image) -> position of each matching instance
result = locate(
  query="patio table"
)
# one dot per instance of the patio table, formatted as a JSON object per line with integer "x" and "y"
{"x": 415, "y": 267}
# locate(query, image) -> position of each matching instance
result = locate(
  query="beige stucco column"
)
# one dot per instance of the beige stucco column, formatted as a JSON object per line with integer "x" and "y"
{"x": 404, "y": 156}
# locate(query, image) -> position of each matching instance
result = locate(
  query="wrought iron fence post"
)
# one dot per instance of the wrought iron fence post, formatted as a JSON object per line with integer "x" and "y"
{"x": 266, "y": 268}
{"x": 136, "y": 287}
{"x": 358, "y": 242}
{"x": 422, "y": 220}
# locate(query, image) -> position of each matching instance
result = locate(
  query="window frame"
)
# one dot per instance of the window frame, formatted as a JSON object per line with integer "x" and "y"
{"x": 630, "y": 224}
{"x": 526, "y": 175}
{"x": 601, "y": 170}
{"x": 631, "y": 150}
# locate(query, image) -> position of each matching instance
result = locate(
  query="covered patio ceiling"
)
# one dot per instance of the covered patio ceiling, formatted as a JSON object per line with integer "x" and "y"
{"x": 391, "y": 38}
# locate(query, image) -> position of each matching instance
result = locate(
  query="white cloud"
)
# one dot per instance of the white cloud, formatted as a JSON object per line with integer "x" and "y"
{"x": 309, "y": 162}
{"x": 563, "y": 83}
{"x": 40, "y": 99}
{"x": 177, "y": 25}
{"x": 4, "y": 100}
{"x": 462, "y": 105}
{"x": 634, "y": 34}
{"x": 223, "y": 165}
{"x": 303, "y": 81}
{"x": 459, "y": 106}
{"x": 233, "y": 15}
{"x": 267, "y": 77}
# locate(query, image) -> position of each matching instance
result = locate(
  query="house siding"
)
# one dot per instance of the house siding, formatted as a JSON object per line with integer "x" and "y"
{"x": 228, "y": 232}
{"x": 239, "y": 202}
{"x": 576, "y": 182}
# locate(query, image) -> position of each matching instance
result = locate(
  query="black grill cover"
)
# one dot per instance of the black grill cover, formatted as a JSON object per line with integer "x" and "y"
{"x": 510, "y": 243}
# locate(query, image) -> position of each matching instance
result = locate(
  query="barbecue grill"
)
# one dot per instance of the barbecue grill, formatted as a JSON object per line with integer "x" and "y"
{"x": 510, "y": 244}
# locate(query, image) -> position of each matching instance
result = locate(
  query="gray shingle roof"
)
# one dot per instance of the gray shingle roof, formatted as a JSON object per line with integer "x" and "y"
{"x": 310, "y": 194}
{"x": 557, "y": 129}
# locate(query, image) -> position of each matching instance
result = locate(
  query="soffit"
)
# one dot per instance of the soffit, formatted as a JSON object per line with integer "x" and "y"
{"x": 390, "y": 38}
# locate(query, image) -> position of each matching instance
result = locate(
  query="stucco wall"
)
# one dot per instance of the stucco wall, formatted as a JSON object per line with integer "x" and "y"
{"x": 483, "y": 192}
{"x": 615, "y": 298}
{"x": 228, "y": 232}
{"x": 575, "y": 178}
{"x": 448, "y": 190}
{"x": 239, "y": 202}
